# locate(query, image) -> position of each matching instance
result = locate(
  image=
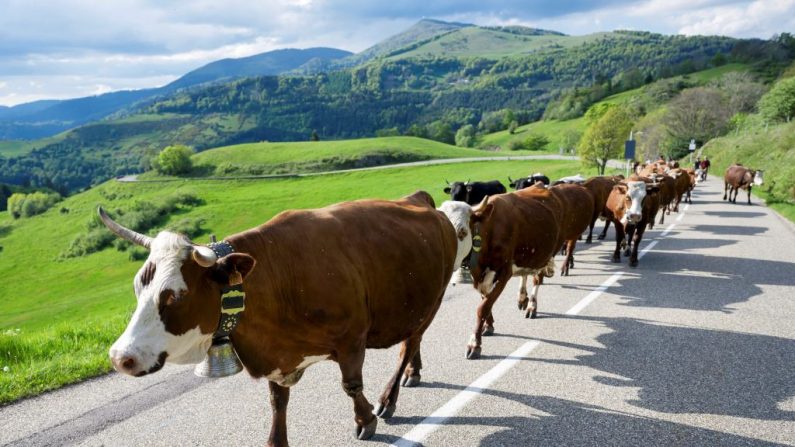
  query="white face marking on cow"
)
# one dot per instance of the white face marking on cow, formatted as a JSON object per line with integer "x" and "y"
{"x": 759, "y": 178}
{"x": 459, "y": 213}
{"x": 146, "y": 337}
{"x": 637, "y": 192}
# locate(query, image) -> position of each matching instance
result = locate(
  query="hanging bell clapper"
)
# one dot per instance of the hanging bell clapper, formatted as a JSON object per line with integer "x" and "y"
{"x": 221, "y": 360}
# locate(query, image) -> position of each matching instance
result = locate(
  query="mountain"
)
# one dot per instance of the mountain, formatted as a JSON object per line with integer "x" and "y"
{"x": 41, "y": 119}
{"x": 264, "y": 64}
{"x": 422, "y": 31}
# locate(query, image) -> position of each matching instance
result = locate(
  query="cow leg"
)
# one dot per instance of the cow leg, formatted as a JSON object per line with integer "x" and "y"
{"x": 279, "y": 396}
{"x": 631, "y": 230}
{"x": 484, "y": 313}
{"x": 351, "y": 368}
{"x": 636, "y": 238}
{"x": 488, "y": 327}
{"x": 533, "y": 308}
{"x": 409, "y": 349}
{"x": 725, "y": 188}
{"x": 589, "y": 239}
{"x": 619, "y": 241}
{"x": 523, "y": 299}
{"x": 749, "y": 195}
{"x": 662, "y": 215}
{"x": 604, "y": 231}
{"x": 568, "y": 261}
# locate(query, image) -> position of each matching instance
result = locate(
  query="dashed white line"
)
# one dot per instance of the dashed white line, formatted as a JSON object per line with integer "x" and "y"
{"x": 437, "y": 419}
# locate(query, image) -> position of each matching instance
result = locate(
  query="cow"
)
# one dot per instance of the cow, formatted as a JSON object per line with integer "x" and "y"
{"x": 681, "y": 186}
{"x": 578, "y": 210}
{"x": 739, "y": 177}
{"x": 319, "y": 284}
{"x": 600, "y": 188}
{"x": 473, "y": 192}
{"x": 630, "y": 206}
{"x": 667, "y": 188}
{"x": 576, "y": 179}
{"x": 692, "y": 175}
{"x": 515, "y": 234}
{"x": 526, "y": 182}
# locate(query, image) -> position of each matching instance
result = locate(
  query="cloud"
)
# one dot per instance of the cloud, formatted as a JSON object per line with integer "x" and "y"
{"x": 125, "y": 43}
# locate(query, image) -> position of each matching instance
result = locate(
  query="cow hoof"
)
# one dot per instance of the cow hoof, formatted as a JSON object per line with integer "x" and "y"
{"x": 615, "y": 259}
{"x": 600, "y": 237}
{"x": 523, "y": 304}
{"x": 488, "y": 330}
{"x": 367, "y": 431}
{"x": 633, "y": 263}
{"x": 410, "y": 381}
{"x": 531, "y": 313}
{"x": 473, "y": 352}
{"x": 385, "y": 412}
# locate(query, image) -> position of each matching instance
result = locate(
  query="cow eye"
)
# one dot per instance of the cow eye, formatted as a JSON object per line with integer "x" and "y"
{"x": 462, "y": 233}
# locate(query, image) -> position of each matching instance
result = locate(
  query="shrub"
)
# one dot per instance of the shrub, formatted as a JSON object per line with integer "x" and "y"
{"x": 174, "y": 160}
{"x": 778, "y": 104}
{"x": 27, "y": 205}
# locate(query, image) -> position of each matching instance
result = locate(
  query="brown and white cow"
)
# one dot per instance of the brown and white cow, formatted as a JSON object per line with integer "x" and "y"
{"x": 739, "y": 177}
{"x": 667, "y": 196}
{"x": 319, "y": 284}
{"x": 600, "y": 188}
{"x": 681, "y": 186}
{"x": 631, "y": 205}
{"x": 578, "y": 212}
{"x": 514, "y": 234}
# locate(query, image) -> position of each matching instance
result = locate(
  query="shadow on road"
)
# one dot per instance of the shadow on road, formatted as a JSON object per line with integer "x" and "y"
{"x": 734, "y": 214}
{"x": 733, "y": 230}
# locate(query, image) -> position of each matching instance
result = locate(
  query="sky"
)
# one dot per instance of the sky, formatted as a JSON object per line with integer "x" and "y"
{"x": 57, "y": 49}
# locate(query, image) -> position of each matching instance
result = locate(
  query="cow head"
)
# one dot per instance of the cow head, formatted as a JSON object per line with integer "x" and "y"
{"x": 457, "y": 190}
{"x": 629, "y": 196}
{"x": 759, "y": 177}
{"x": 459, "y": 214}
{"x": 178, "y": 291}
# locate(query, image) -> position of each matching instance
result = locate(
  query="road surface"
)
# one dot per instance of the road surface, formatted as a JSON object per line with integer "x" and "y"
{"x": 694, "y": 347}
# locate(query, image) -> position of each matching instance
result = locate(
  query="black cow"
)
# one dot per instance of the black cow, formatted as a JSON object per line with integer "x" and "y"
{"x": 530, "y": 180}
{"x": 473, "y": 192}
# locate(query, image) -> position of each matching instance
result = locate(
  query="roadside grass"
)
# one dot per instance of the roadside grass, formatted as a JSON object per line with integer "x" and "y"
{"x": 68, "y": 312}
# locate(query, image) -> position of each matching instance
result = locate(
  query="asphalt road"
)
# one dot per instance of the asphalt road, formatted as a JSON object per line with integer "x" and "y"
{"x": 694, "y": 347}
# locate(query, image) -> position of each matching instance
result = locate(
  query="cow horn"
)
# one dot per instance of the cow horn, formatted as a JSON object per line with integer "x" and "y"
{"x": 124, "y": 233}
{"x": 204, "y": 256}
{"x": 510, "y": 180}
{"x": 448, "y": 182}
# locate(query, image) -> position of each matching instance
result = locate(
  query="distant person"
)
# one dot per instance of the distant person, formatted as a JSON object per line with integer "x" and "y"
{"x": 705, "y": 163}
{"x": 697, "y": 165}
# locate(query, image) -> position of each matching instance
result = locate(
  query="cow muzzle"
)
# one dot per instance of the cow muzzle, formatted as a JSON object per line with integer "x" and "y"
{"x": 634, "y": 218}
{"x": 133, "y": 365}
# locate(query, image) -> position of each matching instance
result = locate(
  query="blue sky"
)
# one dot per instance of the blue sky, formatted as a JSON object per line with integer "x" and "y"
{"x": 72, "y": 48}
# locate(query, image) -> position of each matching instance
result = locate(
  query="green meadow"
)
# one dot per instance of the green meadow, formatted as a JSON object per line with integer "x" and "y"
{"x": 59, "y": 317}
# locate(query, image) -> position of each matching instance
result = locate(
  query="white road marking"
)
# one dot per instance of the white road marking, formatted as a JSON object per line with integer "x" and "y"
{"x": 437, "y": 419}
{"x": 679, "y": 217}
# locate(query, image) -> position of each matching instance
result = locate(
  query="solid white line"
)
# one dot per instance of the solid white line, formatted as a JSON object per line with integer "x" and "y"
{"x": 679, "y": 217}
{"x": 454, "y": 405}
{"x": 437, "y": 419}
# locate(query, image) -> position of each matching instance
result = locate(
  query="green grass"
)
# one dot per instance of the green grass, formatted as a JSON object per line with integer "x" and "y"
{"x": 68, "y": 312}
{"x": 553, "y": 130}
{"x": 772, "y": 150}
{"x": 483, "y": 42}
{"x": 15, "y": 148}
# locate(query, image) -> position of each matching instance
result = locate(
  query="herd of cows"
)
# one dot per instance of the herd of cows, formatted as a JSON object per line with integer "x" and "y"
{"x": 331, "y": 282}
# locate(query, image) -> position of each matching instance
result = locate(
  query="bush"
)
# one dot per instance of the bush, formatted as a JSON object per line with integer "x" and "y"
{"x": 532, "y": 142}
{"x": 778, "y": 104}
{"x": 27, "y": 205}
{"x": 174, "y": 160}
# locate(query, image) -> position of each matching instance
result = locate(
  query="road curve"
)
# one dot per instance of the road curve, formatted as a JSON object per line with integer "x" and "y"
{"x": 696, "y": 346}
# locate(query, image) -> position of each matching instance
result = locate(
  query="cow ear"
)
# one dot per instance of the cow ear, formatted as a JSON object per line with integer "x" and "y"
{"x": 234, "y": 267}
{"x": 447, "y": 190}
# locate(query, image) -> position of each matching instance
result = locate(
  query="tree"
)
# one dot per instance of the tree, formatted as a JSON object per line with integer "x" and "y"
{"x": 314, "y": 136}
{"x": 701, "y": 113}
{"x": 742, "y": 91}
{"x": 604, "y": 139}
{"x": 174, "y": 160}
{"x": 570, "y": 138}
{"x": 512, "y": 127}
{"x": 465, "y": 136}
{"x": 779, "y": 103}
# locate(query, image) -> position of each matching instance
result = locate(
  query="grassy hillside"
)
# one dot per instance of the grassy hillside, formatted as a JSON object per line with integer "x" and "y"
{"x": 314, "y": 156}
{"x": 496, "y": 42}
{"x": 556, "y": 130}
{"x": 772, "y": 150}
{"x": 59, "y": 317}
